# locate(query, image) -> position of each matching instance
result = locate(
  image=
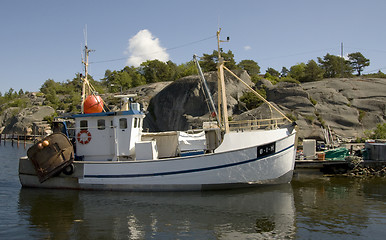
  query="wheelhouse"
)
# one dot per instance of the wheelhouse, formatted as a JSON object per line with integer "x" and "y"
{"x": 108, "y": 135}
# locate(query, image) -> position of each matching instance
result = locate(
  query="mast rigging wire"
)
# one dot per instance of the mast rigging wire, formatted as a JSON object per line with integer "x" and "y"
{"x": 167, "y": 49}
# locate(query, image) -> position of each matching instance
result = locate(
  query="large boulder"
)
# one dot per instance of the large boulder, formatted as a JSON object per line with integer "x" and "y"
{"x": 349, "y": 106}
{"x": 182, "y": 104}
{"x": 26, "y": 120}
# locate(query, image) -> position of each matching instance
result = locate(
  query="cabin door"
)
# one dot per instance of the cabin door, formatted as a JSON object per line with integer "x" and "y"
{"x": 122, "y": 133}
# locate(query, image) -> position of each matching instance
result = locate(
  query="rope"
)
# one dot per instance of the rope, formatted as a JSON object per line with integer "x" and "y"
{"x": 257, "y": 94}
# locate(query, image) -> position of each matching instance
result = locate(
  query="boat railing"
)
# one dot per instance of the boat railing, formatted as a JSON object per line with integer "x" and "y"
{"x": 256, "y": 124}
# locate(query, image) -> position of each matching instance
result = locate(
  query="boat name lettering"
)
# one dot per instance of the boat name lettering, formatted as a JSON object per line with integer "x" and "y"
{"x": 265, "y": 149}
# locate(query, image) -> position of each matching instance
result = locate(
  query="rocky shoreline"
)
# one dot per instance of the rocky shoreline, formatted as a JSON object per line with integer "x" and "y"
{"x": 362, "y": 171}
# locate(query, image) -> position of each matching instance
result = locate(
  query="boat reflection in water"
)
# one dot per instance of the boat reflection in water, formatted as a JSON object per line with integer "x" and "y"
{"x": 263, "y": 212}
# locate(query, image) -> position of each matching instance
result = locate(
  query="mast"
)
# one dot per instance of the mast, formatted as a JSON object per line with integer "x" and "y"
{"x": 222, "y": 100}
{"x": 85, "y": 83}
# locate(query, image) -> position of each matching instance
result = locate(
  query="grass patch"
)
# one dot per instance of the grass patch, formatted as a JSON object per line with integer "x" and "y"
{"x": 313, "y": 101}
{"x": 310, "y": 118}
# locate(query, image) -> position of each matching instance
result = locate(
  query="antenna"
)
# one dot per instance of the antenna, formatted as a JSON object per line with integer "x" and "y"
{"x": 85, "y": 34}
{"x": 85, "y": 81}
{"x": 341, "y": 49}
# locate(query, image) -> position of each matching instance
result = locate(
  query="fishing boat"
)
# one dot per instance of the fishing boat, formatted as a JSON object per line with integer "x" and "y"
{"x": 109, "y": 150}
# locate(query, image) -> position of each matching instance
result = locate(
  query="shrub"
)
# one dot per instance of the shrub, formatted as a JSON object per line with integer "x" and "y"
{"x": 291, "y": 117}
{"x": 378, "y": 133}
{"x": 251, "y": 100}
{"x": 310, "y": 118}
{"x": 362, "y": 114}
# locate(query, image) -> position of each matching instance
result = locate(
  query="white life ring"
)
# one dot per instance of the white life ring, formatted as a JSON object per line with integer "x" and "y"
{"x": 84, "y": 137}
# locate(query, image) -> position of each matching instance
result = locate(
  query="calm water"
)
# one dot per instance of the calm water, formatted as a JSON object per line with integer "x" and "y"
{"x": 308, "y": 208}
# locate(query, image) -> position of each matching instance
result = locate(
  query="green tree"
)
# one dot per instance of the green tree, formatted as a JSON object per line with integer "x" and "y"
{"x": 51, "y": 98}
{"x": 157, "y": 71}
{"x": 250, "y": 66}
{"x": 136, "y": 78}
{"x": 208, "y": 62}
{"x": 50, "y": 86}
{"x": 335, "y": 66}
{"x": 251, "y": 100}
{"x": 187, "y": 69}
{"x": 273, "y": 72}
{"x": 312, "y": 72}
{"x": 298, "y": 71}
{"x": 11, "y": 94}
{"x": 75, "y": 85}
{"x": 117, "y": 81}
{"x": 173, "y": 70}
{"x": 358, "y": 62}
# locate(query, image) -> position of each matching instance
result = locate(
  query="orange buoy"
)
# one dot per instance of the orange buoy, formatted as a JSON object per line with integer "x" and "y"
{"x": 93, "y": 104}
{"x": 46, "y": 143}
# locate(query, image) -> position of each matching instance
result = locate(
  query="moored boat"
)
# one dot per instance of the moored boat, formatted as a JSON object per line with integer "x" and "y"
{"x": 109, "y": 151}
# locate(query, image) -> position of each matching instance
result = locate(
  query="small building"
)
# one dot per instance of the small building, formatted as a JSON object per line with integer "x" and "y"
{"x": 376, "y": 151}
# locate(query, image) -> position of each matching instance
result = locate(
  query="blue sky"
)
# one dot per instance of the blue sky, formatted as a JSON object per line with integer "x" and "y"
{"x": 42, "y": 39}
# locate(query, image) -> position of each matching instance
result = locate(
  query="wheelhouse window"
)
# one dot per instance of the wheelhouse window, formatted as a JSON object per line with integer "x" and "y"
{"x": 135, "y": 122}
{"x": 122, "y": 123}
{"x": 83, "y": 124}
{"x": 101, "y": 124}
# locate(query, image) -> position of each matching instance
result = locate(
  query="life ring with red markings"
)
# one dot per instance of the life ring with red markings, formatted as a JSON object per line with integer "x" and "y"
{"x": 84, "y": 137}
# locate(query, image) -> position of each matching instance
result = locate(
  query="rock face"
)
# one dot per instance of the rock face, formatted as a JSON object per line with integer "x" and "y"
{"x": 146, "y": 92}
{"x": 182, "y": 104}
{"x": 27, "y": 121}
{"x": 346, "y": 106}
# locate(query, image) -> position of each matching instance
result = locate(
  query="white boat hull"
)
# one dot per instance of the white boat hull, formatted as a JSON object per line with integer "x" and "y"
{"x": 233, "y": 169}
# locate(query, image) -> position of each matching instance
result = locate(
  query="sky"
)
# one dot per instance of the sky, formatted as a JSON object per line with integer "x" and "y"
{"x": 43, "y": 39}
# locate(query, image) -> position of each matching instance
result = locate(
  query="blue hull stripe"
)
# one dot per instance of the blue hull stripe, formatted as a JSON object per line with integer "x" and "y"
{"x": 185, "y": 171}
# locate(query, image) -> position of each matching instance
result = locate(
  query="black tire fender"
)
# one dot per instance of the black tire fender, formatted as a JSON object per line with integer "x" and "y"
{"x": 69, "y": 170}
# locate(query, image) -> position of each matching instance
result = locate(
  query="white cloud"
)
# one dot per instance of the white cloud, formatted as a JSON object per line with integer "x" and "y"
{"x": 247, "y": 48}
{"x": 144, "y": 46}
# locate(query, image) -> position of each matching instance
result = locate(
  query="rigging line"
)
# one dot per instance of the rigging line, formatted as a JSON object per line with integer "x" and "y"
{"x": 191, "y": 43}
{"x": 368, "y": 49}
{"x": 378, "y": 69}
{"x": 296, "y": 54}
{"x": 167, "y": 49}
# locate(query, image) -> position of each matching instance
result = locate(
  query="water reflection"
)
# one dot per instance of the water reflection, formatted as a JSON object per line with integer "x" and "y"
{"x": 264, "y": 212}
{"x": 339, "y": 207}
